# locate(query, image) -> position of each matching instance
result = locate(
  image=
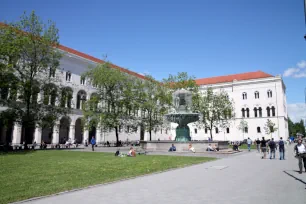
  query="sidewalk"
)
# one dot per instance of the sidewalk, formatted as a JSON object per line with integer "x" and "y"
{"x": 241, "y": 179}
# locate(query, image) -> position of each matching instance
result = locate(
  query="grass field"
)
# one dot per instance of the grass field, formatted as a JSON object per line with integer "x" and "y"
{"x": 25, "y": 175}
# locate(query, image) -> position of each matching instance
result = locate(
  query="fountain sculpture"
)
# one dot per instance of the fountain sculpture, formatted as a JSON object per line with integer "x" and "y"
{"x": 182, "y": 115}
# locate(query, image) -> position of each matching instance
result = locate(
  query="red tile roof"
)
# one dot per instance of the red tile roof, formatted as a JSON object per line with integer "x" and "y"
{"x": 91, "y": 58}
{"x": 230, "y": 78}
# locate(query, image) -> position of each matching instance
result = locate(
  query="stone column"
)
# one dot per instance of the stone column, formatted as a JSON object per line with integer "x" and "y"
{"x": 72, "y": 132}
{"x": 16, "y": 134}
{"x": 37, "y": 135}
{"x": 55, "y": 135}
{"x": 98, "y": 135}
{"x": 86, "y": 136}
{"x": 39, "y": 97}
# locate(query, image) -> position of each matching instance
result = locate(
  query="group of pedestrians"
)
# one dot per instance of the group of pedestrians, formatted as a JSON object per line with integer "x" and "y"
{"x": 299, "y": 149}
{"x": 269, "y": 146}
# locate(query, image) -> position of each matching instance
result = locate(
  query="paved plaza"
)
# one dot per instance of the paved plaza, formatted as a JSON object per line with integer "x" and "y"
{"x": 243, "y": 178}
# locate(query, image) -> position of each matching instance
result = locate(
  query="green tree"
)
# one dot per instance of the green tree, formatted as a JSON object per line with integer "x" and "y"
{"x": 243, "y": 126}
{"x": 291, "y": 127}
{"x": 27, "y": 57}
{"x": 112, "y": 107}
{"x": 216, "y": 109}
{"x": 270, "y": 127}
{"x": 155, "y": 101}
{"x": 181, "y": 81}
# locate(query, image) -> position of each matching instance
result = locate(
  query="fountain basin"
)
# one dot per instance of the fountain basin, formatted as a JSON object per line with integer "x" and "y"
{"x": 182, "y": 119}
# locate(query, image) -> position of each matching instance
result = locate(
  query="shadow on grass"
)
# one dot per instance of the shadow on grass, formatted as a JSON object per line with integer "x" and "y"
{"x": 300, "y": 180}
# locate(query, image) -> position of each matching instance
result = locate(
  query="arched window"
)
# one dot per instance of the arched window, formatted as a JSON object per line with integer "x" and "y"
{"x": 273, "y": 111}
{"x": 195, "y": 131}
{"x": 255, "y": 112}
{"x": 66, "y": 97}
{"x": 244, "y": 96}
{"x": 217, "y": 130}
{"x": 258, "y": 130}
{"x": 247, "y": 112}
{"x": 246, "y": 129}
{"x": 268, "y": 111}
{"x": 227, "y": 130}
{"x": 50, "y": 94}
{"x": 243, "y": 112}
{"x": 205, "y": 130}
{"x": 269, "y": 92}
{"x": 4, "y": 92}
{"x": 256, "y": 94}
{"x": 94, "y": 100}
{"x": 81, "y": 98}
{"x": 260, "y": 112}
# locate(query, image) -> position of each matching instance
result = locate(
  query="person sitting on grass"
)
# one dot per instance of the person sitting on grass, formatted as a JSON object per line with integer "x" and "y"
{"x": 172, "y": 148}
{"x": 132, "y": 152}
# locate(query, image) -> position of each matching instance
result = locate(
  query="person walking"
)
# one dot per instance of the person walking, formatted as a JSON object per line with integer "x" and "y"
{"x": 249, "y": 142}
{"x": 93, "y": 143}
{"x": 263, "y": 145}
{"x": 272, "y": 146}
{"x": 258, "y": 145}
{"x": 300, "y": 151}
{"x": 281, "y": 147}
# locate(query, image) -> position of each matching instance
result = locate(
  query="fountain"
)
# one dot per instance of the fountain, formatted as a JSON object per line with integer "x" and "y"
{"x": 182, "y": 115}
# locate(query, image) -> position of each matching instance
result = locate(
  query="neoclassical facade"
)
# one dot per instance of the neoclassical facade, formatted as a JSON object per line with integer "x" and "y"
{"x": 257, "y": 96}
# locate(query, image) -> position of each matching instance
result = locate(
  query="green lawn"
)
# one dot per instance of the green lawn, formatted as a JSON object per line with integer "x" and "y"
{"x": 31, "y": 174}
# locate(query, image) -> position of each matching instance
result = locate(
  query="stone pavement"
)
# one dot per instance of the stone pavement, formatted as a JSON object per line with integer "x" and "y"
{"x": 241, "y": 179}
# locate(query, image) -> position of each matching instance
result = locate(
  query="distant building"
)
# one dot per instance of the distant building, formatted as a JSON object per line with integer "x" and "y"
{"x": 258, "y": 96}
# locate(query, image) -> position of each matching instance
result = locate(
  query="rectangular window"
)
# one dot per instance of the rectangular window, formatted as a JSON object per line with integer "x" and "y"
{"x": 195, "y": 131}
{"x": 227, "y": 130}
{"x": 205, "y": 130}
{"x": 68, "y": 76}
{"x": 52, "y": 72}
{"x": 217, "y": 130}
{"x": 82, "y": 80}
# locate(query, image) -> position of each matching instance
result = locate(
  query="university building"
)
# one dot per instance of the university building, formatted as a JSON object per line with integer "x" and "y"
{"x": 257, "y": 97}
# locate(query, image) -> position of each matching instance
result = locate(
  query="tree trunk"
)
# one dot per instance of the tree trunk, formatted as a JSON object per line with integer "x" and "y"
{"x": 117, "y": 136}
{"x": 150, "y": 134}
{"x": 211, "y": 137}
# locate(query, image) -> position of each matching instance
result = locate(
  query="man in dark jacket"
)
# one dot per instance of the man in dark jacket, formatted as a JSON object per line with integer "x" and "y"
{"x": 272, "y": 146}
{"x": 281, "y": 147}
{"x": 258, "y": 145}
{"x": 263, "y": 145}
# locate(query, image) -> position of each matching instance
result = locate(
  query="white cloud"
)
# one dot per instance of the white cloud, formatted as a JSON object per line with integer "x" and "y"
{"x": 297, "y": 111}
{"x": 301, "y": 64}
{"x": 289, "y": 72}
{"x": 296, "y": 72}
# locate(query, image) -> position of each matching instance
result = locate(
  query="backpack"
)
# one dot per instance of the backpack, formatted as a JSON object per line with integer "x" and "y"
{"x": 117, "y": 153}
{"x": 281, "y": 143}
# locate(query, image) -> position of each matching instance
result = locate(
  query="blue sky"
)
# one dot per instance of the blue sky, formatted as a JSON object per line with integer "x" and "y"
{"x": 202, "y": 37}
